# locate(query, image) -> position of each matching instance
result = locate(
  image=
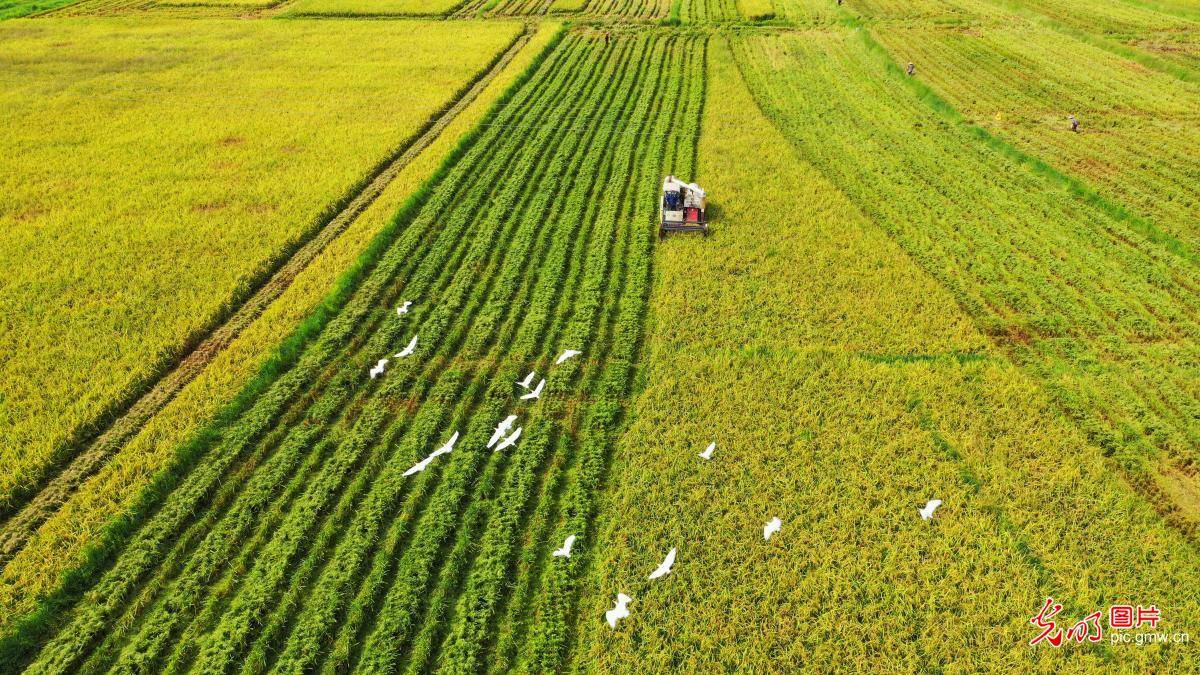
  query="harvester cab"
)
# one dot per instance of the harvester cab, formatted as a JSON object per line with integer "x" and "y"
{"x": 682, "y": 208}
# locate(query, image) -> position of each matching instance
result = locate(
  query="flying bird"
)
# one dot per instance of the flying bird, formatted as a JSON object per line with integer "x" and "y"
{"x": 378, "y": 369}
{"x": 930, "y": 507}
{"x": 403, "y": 309}
{"x": 407, "y": 351}
{"x": 619, "y": 611}
{"x": 665, "y": 568}
{"x": 423, "y": 464}
{"x": 567, "y": 354}
{"x": 772, "y": 526}
{"x": 528, "y": 379}
{"x": 501, "y": 429}
{"x": 447, "y": 447}
{"x": 419, "y": 466}
{"x": 565, "y": 551}
{"x": 707, "y": 454}
{"x": 510, "y": 441}
{"x": 537, "y": 391}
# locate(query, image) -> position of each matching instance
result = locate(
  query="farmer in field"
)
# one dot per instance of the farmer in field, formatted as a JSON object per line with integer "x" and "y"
{"x": 1074, "y": 123}
{"x": 911, "y": 69}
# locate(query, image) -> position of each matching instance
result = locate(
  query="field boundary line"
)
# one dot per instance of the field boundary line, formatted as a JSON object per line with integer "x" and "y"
{"x": 47, "y": 496}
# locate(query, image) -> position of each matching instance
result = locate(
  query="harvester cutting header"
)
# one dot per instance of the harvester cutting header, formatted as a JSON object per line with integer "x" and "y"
{"x": 682, "y": 208}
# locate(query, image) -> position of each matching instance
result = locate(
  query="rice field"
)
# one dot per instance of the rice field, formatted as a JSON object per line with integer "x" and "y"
{"x": 371, "y": 7}
{"x": 12, "y": 9}
{"x": 295, "y": 541}
{"x": 859, "y": 416}
{"x": 177, "y": 143}
{"x": 37, "y": 553}
{"x": 1022, "y": 85}
{"x": 1112, "y": 339}
{"x": 342, "y": 336}
{"x": 1156, "y": 27}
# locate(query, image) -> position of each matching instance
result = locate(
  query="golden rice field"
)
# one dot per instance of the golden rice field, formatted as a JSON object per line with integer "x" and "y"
{"x": 342, "y": 336}
{"x": 59, "y": 542}
{"x": 137, "y": 150}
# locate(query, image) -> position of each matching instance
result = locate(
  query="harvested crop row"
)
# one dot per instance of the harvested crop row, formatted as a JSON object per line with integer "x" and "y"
{"x": 1021, "y": 83}
{"x": 1164, "y": 36}
{"x": 295, "y": 542}
{"x": 1104, "y": 314}
{"x": 441, "y": 245}
{"x": 649, "y": 9}
{"x": 365, "y": 8}
{"x": 708, "y": 11}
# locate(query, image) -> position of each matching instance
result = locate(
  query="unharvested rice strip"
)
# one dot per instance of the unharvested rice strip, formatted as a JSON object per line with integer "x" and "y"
{"x": 370, "y": 434}
{"x": 18, "y": 528}
{"x": 334, "y": 234}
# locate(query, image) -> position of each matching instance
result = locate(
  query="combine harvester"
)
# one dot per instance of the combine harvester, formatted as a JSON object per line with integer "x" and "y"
{"x": 682, "y": 208}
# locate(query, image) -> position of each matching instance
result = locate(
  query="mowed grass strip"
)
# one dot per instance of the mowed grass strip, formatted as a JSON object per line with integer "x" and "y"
{"x": 1099, "y": 306}
{"x": 295, "y": 542}
{"x": 59, "y": 543}
{"x": 129, "y": 227}
{"x": 844, "y": 387}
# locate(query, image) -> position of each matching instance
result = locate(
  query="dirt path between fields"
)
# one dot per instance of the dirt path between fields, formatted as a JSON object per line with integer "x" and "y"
{"x": 94, "y": 453}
